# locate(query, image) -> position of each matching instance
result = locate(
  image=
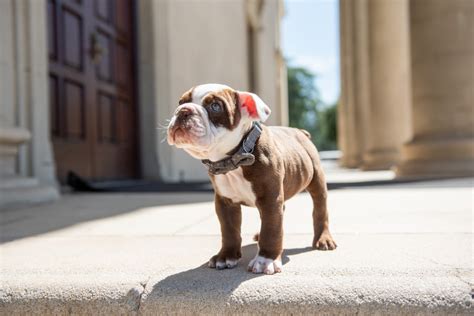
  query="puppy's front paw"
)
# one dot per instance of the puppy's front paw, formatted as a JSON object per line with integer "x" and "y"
{"x": 261, "y": 264}
{"x": 218, "y": 262}
{"x": 324, "y": 242}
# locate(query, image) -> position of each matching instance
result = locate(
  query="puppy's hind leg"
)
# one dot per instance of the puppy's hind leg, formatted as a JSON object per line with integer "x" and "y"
{"x": 318, "y": 191}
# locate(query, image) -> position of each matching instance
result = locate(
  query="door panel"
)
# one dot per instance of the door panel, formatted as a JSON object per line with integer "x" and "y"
{"x": 93, "y": 113}
{"x": 74, "y": 108}
{"x": 72, "y": 26}
{"x": 106, "y": 119}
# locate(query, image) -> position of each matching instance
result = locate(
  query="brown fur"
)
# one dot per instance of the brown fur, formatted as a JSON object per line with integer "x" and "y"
{"x": 186, "y": 97}
{"x": 286, "y": 163}
{"x": 230, "y": 218}
{"x": 282, "y": 169}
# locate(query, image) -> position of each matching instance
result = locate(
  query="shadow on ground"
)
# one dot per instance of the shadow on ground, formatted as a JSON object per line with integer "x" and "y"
{"x": 73, "y": 209}
{"x": 198, "y": 283}
{"x": 78, "y": 208}
{"x": 406, "y": 183}
{"x": 142, "y": 186}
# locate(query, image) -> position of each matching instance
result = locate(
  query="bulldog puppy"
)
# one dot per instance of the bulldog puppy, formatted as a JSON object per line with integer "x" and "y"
{"x": 250, "y": 164}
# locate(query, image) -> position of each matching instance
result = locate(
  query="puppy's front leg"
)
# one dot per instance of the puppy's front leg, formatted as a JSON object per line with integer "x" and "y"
{"x": 270, "y": 240}
{"x": 230, "y": 218}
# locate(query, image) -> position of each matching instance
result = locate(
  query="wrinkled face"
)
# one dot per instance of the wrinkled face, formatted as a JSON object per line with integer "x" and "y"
{"x": 211, "y": 119}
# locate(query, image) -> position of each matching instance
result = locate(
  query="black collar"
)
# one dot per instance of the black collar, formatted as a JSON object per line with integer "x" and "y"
{"x": 242, "y": 157}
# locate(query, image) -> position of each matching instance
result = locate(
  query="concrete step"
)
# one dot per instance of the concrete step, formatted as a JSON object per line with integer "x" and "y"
{"x": 403, "y": 250}
{"x": 366, "y": 275}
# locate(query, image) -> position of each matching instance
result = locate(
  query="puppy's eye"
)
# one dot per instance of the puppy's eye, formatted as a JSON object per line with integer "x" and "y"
{"x": 215, "y": 107}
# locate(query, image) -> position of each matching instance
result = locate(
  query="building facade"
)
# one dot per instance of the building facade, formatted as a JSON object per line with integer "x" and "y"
{"x": 86, "y": 85}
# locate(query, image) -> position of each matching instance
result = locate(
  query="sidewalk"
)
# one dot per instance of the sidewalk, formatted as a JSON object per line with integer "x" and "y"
{"x": 403, "y": 249}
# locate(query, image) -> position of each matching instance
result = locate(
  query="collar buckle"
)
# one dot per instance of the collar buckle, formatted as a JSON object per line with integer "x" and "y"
{"x": 243, "y": 157}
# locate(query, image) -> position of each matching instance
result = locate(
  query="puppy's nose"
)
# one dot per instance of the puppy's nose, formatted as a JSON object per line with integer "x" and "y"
{"x": 185, "y": 112}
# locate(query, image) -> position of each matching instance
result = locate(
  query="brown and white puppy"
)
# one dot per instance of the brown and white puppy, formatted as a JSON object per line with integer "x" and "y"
{"x": 210, "y": 123}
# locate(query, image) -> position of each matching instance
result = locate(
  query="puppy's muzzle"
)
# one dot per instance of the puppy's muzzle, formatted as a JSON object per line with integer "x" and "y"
{"x": 186, "y": 126}
{"x": 183, "y": 115}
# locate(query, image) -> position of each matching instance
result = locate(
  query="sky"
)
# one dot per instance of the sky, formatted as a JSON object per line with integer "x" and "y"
{"x": 311, "y": 39}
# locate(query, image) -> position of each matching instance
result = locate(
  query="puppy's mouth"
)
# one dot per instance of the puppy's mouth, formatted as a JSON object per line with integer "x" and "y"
{"x": 185, "y": 131}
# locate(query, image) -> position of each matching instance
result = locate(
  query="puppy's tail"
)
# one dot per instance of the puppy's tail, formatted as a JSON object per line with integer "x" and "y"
{"x": 256, "y": 237}
{"x": 306, "y": 133}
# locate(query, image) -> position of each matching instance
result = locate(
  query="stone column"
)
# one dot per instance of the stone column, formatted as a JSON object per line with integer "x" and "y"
{"x": 362, "y": 76}
{"x": 442, "y": 49}
{"x": 347, "y": 122}
{"x": 354, "y": 110}
{"x": 153, "y": 69}
{"x": 389, "y": 77}
{"x": 11, "y": 135}
{"x": 26, "y": 167}
{"x": 268, "y": 65}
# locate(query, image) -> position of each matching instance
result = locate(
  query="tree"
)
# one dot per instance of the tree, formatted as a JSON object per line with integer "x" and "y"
{"x": 307, "y": 111}
{"x": 327, "y": 128}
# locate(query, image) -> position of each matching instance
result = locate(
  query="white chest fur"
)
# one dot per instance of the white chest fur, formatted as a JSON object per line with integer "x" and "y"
{"x": 233, "y": 186}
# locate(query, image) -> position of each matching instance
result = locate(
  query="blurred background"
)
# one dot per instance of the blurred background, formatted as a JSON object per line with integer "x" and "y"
{"x": 87, "y": 86}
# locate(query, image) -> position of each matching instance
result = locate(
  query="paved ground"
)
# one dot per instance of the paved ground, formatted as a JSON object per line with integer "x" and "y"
{"x": 403, "y": 249}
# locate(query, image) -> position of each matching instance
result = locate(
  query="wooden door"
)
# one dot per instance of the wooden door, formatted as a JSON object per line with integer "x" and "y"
{"x": 91, "y": 84}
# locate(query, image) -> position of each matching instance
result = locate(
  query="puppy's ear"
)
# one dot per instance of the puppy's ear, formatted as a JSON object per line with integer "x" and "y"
{"x": 186, "y": 97}
{"x": 251, "y": 104}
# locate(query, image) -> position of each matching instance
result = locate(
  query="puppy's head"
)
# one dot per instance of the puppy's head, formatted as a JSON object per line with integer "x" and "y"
{"x": 211, "y": 119}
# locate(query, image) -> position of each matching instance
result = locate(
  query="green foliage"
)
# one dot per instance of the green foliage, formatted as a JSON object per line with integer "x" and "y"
{"x": 327, "y": 128}
{"x": 307, "y": 111}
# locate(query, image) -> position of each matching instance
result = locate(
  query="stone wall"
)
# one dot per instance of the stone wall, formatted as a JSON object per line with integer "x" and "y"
{"x": 174, "y": 56}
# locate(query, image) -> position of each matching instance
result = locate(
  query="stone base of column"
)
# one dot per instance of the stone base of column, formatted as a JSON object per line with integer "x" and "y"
{"x": 18, "y": 192}
{"x": 347, "y": 161}
{"x": 383, "y": 159}
{"x": 15, "y": 190}
{"x": 10, "y": 139}
{"x": 437, "y": 158}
